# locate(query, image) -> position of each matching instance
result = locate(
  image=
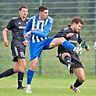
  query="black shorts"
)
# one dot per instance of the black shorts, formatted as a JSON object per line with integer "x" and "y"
{"x": 18, "y": 53}
{"x": 75, "y": 60}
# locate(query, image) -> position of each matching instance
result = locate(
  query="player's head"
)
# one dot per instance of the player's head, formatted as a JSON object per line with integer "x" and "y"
{"x": 23, "y": 11}
{"x": 43, "y": 12}
{"x": 77, "y": 23}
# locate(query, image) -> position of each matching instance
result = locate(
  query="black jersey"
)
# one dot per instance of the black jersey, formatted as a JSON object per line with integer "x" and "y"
{"x": 17, "y": 25}
{"x": 70, "y": 35}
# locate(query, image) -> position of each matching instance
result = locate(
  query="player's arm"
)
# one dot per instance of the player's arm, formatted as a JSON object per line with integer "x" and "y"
{"x": 5, "y": 32}
{"x": 10, "y": 26}
{"x": 27, "y": 32}
{"x": 46, "y": 30}
{"x": 27, "y": 29}
{"x": 5, "y": 37}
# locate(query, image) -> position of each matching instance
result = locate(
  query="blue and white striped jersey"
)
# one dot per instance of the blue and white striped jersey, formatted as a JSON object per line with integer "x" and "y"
{"x": 39, "y": 28}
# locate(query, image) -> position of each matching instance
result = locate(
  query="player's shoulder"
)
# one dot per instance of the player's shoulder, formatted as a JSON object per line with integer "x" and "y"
{"x": 66, "y": 29}
{"x": 50, "y": 19}
{"x": 33, "y": 17}
{"x": 14, "y": 18}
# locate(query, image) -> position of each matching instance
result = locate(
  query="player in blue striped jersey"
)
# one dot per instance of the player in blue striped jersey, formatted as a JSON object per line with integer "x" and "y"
{"x": 37, "y": 30}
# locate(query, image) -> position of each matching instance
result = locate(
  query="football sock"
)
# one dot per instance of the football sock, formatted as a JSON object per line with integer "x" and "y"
{"x": 7, "y": 73}
{"x": 68, "y": 45}
{"x": 30, "y": 75}
{"x": 67, "y": 59}
{"x": 20, "y": 78}
{"x": 77, "y": 83}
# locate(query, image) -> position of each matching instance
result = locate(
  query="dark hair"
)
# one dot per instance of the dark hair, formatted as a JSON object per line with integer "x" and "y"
{"x": 22, "y": 6}
{"x": 42, "y": 8}
{"x": 77, "y": 20}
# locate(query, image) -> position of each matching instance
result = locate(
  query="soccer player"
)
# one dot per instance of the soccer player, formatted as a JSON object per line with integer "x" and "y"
{"x": 69, "y": 58}
{"x": 37, "y": 30}
{"x": 17, "y": 25}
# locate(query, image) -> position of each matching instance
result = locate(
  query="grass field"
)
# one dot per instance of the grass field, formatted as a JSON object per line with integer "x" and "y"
{"x": 54, "y": 81}
{"x": 43, "y": 86}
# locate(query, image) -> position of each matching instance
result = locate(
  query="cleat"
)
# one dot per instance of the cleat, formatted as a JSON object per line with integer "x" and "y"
{"x": 21, "y": 87}
{"x": 71, "y": 68}
{"x": 74, "y": 89}
{"x": 78, "y": 49}
{"x": 82, "y": 45}
{"x": 28, "y": 89}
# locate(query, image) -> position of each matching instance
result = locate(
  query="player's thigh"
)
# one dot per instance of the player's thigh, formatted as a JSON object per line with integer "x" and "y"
{"x": 16, "y": 66}
{"x": 35, "y": 50}
{"x": 57, "y": 41}
{"x": 79, "y": 72}
{"x": 22, "y": 63}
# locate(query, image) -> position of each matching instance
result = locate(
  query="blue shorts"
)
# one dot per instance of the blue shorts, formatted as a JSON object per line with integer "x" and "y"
{"x": 37, "y": 48}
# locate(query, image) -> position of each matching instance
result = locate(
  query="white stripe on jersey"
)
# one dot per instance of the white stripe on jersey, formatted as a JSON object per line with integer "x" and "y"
{"x": 33, "y": 25}
{"x": 41, "y": 39}
{"x": 33, "y": 40}
{"x": 16, "y": 51}
{"x": 37, "y": 38}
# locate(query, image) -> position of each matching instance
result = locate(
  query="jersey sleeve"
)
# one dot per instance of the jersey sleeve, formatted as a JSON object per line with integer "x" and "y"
{"x": 62, "y": 33}
{"x": 10, "y": 24}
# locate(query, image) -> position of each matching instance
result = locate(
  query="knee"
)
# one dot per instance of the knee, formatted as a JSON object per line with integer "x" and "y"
{"x": 15, "y": 70}
{"x": 33, "y": 66}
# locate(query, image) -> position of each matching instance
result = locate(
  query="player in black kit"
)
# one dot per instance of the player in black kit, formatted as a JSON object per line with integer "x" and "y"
{"x": 17, "y": 25}
{"x": 71, "y": 59}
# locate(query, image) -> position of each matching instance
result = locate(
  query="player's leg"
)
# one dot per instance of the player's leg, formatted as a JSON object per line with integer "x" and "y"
{"x": 35, "y": 52}
{"x": 67, "y": 59}
{"x": 21, "y": 70}
{"x": 66, "y": 44}
{"x": 30, "y": 75}
{"x": 13, "y": 70}
{"x": 18, "y": 54}
{"x": 8, "y": 72}
{"x": 79, "y": 72}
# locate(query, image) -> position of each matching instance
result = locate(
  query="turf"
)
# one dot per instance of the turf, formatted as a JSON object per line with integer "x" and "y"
{"x": 43, "y": 86}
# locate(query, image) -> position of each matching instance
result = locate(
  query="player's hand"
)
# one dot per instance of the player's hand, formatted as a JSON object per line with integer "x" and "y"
{"x": 6, "y": 43}
{"x": 27, "y": 35}
{"x": 25, "y": 42}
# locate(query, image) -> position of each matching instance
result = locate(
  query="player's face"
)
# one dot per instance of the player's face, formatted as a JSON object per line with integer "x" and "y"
{"x": 23, "y": 12}
{"x": 44, "y": 14}
{"x": 78, "y": 27}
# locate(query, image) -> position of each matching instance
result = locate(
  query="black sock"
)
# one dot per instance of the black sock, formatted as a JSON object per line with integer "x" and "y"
{"x": 67, "y": 59}
{"x": 77, "y": 83}
{"x": 20, "y": 78}
{"x": 7, "y": 73}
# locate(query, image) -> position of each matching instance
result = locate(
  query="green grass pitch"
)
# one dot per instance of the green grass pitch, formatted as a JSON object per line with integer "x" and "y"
{"x": 44, "y": 86}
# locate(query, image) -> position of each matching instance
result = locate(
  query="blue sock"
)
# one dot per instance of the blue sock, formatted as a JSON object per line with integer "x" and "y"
{"x": 30, "y": 74}
{"x": 68, "y": 45}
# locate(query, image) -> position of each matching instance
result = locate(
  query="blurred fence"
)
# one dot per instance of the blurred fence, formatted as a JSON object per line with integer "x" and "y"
{"x": 62, "y": 12}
